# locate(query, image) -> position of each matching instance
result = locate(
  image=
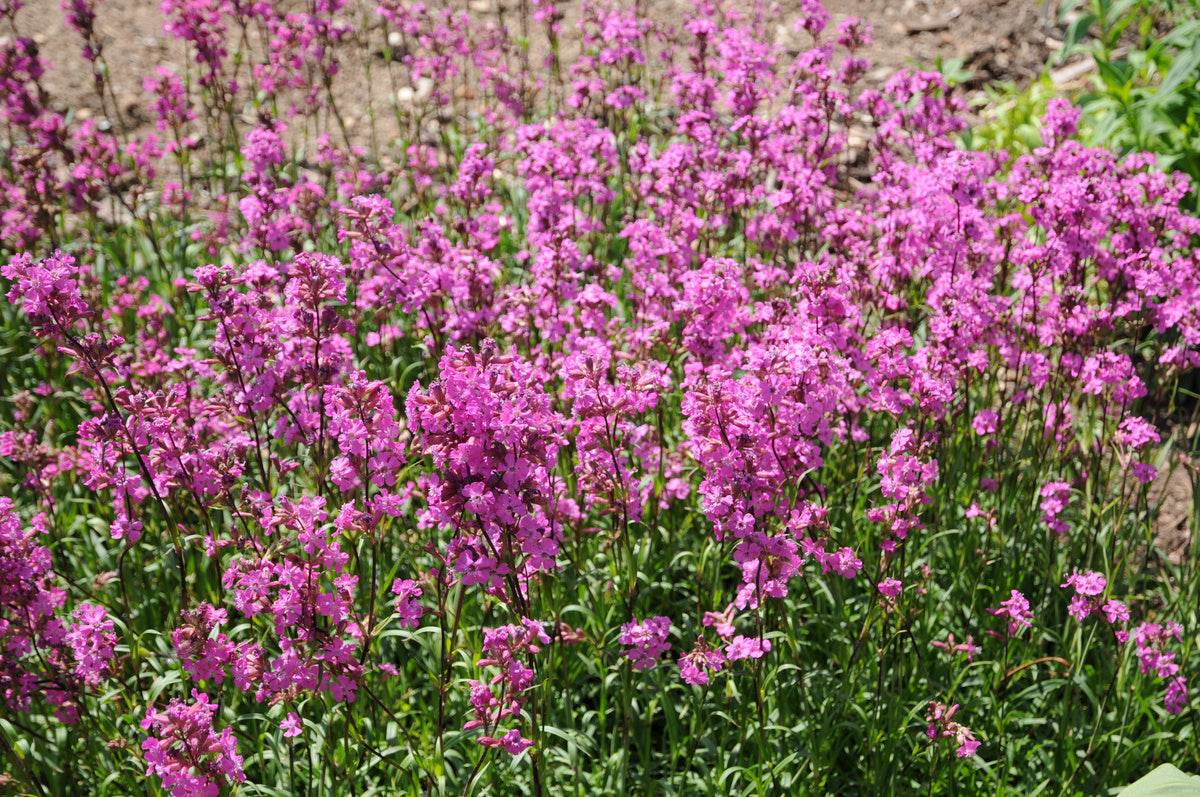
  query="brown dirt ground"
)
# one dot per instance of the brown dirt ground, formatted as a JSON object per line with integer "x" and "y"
{"x": 998, "y": 40}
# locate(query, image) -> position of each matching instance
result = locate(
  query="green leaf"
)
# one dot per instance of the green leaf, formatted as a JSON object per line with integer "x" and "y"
{"x": 1076, "y": 31}
{"x": 1030, "y": 136}
{"x": 1166, "y": 781}
{"x": 1116, "y": 75}
{"x": 1117, "y": 19}
{"x": 1183, "y": 68}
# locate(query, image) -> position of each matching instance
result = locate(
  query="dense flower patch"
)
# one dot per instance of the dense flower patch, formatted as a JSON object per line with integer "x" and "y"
{"x": 633, "y": 435}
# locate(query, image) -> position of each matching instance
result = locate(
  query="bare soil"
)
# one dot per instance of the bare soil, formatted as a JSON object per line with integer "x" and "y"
{"x": 996, "y": 40}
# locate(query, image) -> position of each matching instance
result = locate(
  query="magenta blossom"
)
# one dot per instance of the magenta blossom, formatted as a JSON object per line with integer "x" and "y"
{"x": 647, "y": 640}
{"x": 291, "y": 725}
{"x": 942, "y": 726}
{"x": 184, "y": 750}
{"x": 1016, "y": 610}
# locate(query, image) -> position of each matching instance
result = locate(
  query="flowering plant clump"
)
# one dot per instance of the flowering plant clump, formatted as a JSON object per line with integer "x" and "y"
{"x": 606, "y": 418}
{"x": 184, "y": 751}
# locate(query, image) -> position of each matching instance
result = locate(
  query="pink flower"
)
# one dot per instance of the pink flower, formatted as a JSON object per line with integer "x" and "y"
{"x": 943, "y": 726}
{"x": 813, "y": 17}
{"x": 1115, "y": 611}
{"x": 291, "y": 725}
{"x": 854, "y": 33}
{"x": 890, "y": 587}
{"x": 1055, "y": 497}
{"x": 843, "y": 562}
{"x": 506, "y": 648}
{"x": 1087, "y": 583}
{"x": 969, "y": 647}
{"x": 1137, "y": 432}
{"x": 1088, "y": 587}
{"x": 408, "y": 611}
{"x": 49, "y": 291}
{"x": 1143, "y": 473}
{"x": 696, "y": 666}
{"x": 171, "y": 105}
{"x": 1016, "y": 609}
{"x": 493, "y": 434}
{"x": 985, "y": 422}
{"x": 1176, "y": 699}
{"x": 721, "y": 622}
{"x": 203, "y": 651}
{"x": 186, "y": 752}
{"x": 91, "y": 639}
{"x": 1061, "y": 119}
{"x": 512, "y": 741}
{"x": 741, "y": 647}
{"x": 1150, "y": 640}
{"x": 647, "y": 641}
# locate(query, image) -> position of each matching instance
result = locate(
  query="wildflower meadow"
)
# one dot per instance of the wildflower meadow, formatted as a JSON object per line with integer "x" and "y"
{"x": 618, "y": 408}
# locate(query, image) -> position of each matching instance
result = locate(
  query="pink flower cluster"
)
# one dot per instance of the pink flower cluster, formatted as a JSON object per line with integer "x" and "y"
{"x": 1150, "y": 641}
{"x": 500, "y": 699}
{"x": 408, "y": 610}
{"x": 612, "y": 333}
{"x": 278, "y": 210}
{"x": 612, "y": 446}
{"x": 1089, "y": 588}
{"x": 695, "y": 667}
{"x": 48, "y": 291}
{"x": 202, "y": 652}
{"x": 906, "y": 472}
{"x": 1017, "y": 613}
{"x": 42, "y": 656}
{"x": 942, "y": 725}
{"x": 646, "y": 641}
{"x": 184, "y": 750}
{"x": 1055, "y": 498}
{"x": 493, "y": 436}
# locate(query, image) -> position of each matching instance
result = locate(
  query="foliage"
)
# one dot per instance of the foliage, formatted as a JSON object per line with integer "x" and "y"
{"x": 1165, "y": 780}
{"x": 1144, "y": 97}
{"x": 613, "y": 443}
{"x": 1011, "y": 117}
